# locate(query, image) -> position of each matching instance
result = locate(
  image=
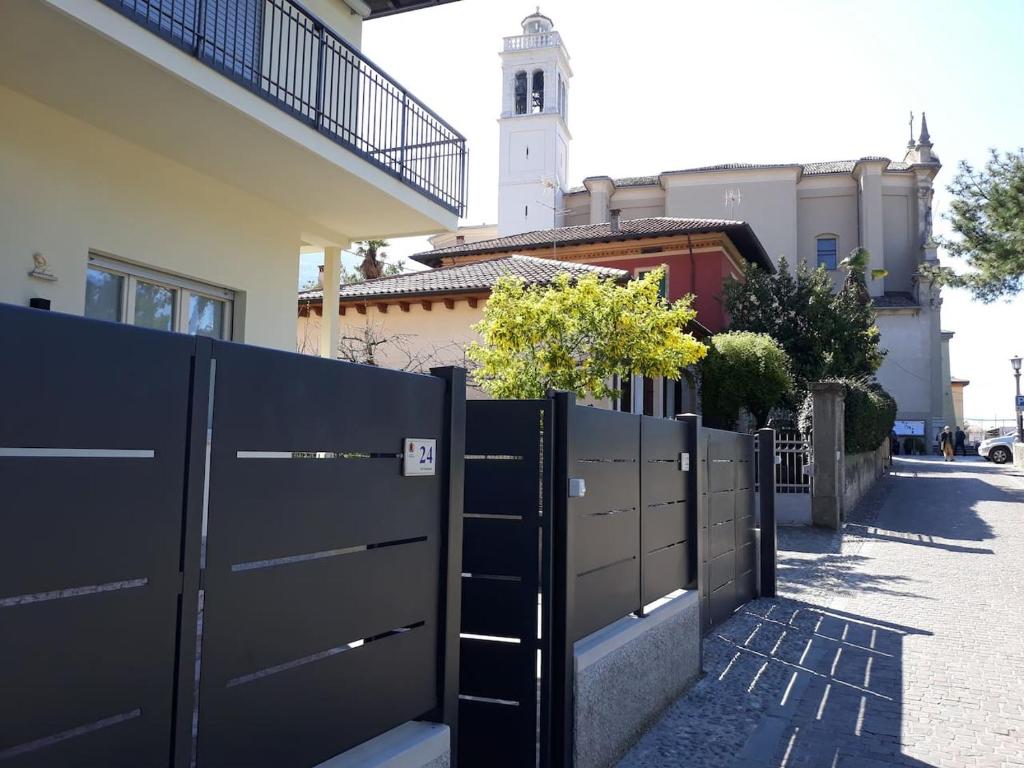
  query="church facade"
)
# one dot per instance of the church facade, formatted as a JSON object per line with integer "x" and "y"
{"x": 814, "y": 213}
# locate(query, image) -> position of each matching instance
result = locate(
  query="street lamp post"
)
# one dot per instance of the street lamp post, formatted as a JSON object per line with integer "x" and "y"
{"x": 1015, "y": 362}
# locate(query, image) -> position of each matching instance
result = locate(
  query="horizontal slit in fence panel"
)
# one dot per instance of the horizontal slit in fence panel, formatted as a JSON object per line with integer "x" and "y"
{"x": 489, "y": 638}
{"x": 335, "y": 455}
{"x": 672, "y": 502}
{"x": 56, "y": 738}
{"x": 665, "y": 571}
{"x": 332, "y": 705}
{"x": 666, "y": 546}
{"x": 76, "y": 453}
{"x": 498, "y": 608}
{"x": 487, "y": 700}
{"x": 745, "y": 558}
{"x": 266, "y": 510}
{"x": 291, "y": 559}
{"x": 97, "y": 521}
{"x": 723, "y": 538}
{"x": 744, "y": 504}
{"x": 320, "y": 656}
{"x": 607, "y": 512}
{"x": 478, "y": 516}
{"x": 491, "y": 577}
{"x": 496, "y": 545}
{"x": 61, "y": 594}
{"x": 68, "y": 663}
{"x": 480, "y": 720}
{"x": 606, "y": 461}
{"x": 492, "y": 457}
{"x": 605, "y": 595}
{"x": 265, "y": 617}
{"x": 606, "y": 565}
{"x": 497, "y": 670}
{"x": 598, "y": 540}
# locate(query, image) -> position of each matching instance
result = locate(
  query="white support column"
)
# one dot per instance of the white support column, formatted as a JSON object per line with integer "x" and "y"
{"x": 330, "y": 325}
{"x": 637, "y": 391}
{"x": 869, "y": 175}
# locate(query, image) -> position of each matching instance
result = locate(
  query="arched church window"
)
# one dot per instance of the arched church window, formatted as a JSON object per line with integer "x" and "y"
{"x": 537, "y": 97}
{"x": 520, "y": 93}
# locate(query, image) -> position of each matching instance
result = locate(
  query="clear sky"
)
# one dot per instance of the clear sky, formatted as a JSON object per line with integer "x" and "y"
{"x": 668, "y": 84}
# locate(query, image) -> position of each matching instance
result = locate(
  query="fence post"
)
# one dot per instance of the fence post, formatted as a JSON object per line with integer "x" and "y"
{"x": 562, "y": 588}
{"x": 827, "y": 438}
{"x": 201, "y": 393}
{"x": 450, "y": 588}
{"x": 697, "y": 501}
{"x": 766, "y": 481}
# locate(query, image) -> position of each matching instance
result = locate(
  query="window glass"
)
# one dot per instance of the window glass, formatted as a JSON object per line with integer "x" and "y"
{"x": 520, "y": 93}
{"x": 103, "y": 291}
{"x": 154, "y": 306}
{"x": 205, "y": 316}
{"x": 828, "y": 252}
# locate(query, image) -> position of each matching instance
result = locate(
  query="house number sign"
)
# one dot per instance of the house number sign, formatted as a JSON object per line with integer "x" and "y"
{"x": 420, "y": 457}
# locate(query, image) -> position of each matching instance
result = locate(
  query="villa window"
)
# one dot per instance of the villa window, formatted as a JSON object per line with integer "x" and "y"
{"x": 125, "y": 293}
{"x": 520, "y": 93}
{"x": 828, "y": 252}
{"x": 537, "y": 98}
{"x": 663, "y": 285}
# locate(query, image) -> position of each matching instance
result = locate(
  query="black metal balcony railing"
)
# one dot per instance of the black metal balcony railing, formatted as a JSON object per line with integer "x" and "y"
{"x": 285, "y": 54}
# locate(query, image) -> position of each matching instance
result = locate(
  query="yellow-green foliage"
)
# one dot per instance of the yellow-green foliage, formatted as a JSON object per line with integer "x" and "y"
{"x": 575, "y": 334}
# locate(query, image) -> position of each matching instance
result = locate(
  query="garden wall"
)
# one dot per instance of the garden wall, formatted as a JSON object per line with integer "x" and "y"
{"x": 860, "y": 471}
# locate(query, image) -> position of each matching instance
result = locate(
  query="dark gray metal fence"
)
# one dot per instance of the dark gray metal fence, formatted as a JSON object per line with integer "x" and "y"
{"x": 729, "y": 558}
{"x": 318, "y": 614}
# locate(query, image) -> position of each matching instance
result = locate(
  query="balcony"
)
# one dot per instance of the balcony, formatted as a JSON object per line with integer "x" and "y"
{"x": 259, "y": 94}
{"x": 282, "y": 52}
{"x": 539, "y": 40}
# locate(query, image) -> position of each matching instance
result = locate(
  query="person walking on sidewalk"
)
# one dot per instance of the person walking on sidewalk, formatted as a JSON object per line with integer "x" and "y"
{"x": 947, "y": 443}
{"x": 961, "y": 443}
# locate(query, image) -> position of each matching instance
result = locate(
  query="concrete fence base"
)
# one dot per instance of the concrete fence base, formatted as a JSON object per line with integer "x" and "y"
{"x": 628, "y": 673}
{"x": 411, "y": 745}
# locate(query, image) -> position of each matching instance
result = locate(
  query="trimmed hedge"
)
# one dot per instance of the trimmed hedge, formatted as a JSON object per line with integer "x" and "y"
{"x": 870, "y": 414}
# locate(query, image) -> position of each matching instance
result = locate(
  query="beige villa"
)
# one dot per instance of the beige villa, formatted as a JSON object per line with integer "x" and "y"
{"x": 159, "y": 167}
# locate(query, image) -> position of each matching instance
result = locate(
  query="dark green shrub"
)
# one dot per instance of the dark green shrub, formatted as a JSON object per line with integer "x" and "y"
{"x": 870, "y": 413}
{"x": 743, "y": 370}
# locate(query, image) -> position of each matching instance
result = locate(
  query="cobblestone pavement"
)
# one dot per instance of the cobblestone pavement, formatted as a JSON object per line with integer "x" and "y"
{"x": 898, "y": 642}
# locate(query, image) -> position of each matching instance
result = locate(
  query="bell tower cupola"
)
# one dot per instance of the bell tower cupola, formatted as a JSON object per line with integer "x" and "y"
{"x": 533, "y": 128}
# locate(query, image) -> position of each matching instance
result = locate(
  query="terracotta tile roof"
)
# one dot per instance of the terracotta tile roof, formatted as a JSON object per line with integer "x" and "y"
{"x": 739, "y": 232}
{"x": 894, "y": 300}
{"x": 464, "y": 278}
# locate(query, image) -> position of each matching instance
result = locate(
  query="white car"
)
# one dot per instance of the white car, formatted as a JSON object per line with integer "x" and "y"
{"x": 997, "y": 449}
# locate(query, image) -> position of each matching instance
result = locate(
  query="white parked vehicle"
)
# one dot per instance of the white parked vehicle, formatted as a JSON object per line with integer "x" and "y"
{"x": 997, "y": 449}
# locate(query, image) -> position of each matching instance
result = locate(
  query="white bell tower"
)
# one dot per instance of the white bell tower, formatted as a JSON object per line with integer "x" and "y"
{"x": 534, "y": 135}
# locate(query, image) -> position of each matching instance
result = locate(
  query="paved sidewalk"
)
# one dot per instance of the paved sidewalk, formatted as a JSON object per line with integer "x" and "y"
{"x": 899, "y": 642}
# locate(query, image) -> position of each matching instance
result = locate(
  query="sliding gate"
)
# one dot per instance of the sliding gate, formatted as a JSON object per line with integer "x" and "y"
{"x": 219, "y": 555}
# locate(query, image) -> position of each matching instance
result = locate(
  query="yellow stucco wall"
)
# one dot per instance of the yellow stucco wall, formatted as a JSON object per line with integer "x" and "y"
{"x": 67, "y": 188}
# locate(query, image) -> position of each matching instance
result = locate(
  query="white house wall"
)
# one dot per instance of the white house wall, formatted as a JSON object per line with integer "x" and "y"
{"x": 67, "y": 188}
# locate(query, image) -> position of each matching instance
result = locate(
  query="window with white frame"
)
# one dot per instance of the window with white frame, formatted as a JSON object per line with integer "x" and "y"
{"x": 126, "y": 293}
{"x": 828, "y": 252}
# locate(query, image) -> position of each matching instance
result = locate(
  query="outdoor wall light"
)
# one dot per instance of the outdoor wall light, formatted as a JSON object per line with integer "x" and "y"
{"x": 1015, "y": 362}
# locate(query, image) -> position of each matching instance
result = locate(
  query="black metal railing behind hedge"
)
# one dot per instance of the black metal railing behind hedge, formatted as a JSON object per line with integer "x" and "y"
{"x": 284, "y": 53}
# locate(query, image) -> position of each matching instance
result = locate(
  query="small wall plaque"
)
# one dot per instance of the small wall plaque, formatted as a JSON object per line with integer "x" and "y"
{"x": 419, "y": 457}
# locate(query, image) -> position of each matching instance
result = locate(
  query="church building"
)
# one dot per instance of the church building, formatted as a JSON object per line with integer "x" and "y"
{"x": 806, "y": 212}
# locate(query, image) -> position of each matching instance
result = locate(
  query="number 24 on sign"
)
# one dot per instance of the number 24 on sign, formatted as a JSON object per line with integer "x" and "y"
{"x": 419, "y": 457}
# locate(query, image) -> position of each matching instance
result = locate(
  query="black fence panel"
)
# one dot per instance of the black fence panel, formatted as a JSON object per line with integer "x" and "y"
{"x": 729, "y": 557}
{"x": 506, "y": 551}
{"x": 94, "y": 424}
{"x": 603, "y": 524}
{"x": 321, "y": 590}
{"x": 666, "y": 520}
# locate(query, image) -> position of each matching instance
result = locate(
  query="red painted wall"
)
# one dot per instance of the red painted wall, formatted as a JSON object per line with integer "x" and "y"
{"x": 703, "y": 275}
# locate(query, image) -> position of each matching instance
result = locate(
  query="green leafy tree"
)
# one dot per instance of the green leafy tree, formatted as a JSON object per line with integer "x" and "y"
{"x": 825, "y": 333}
{"x": 374, "y": 263}
{"x": 576, "y": 334}
{"x": 987, "y": 213}
{"x": 744, "y": 370}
